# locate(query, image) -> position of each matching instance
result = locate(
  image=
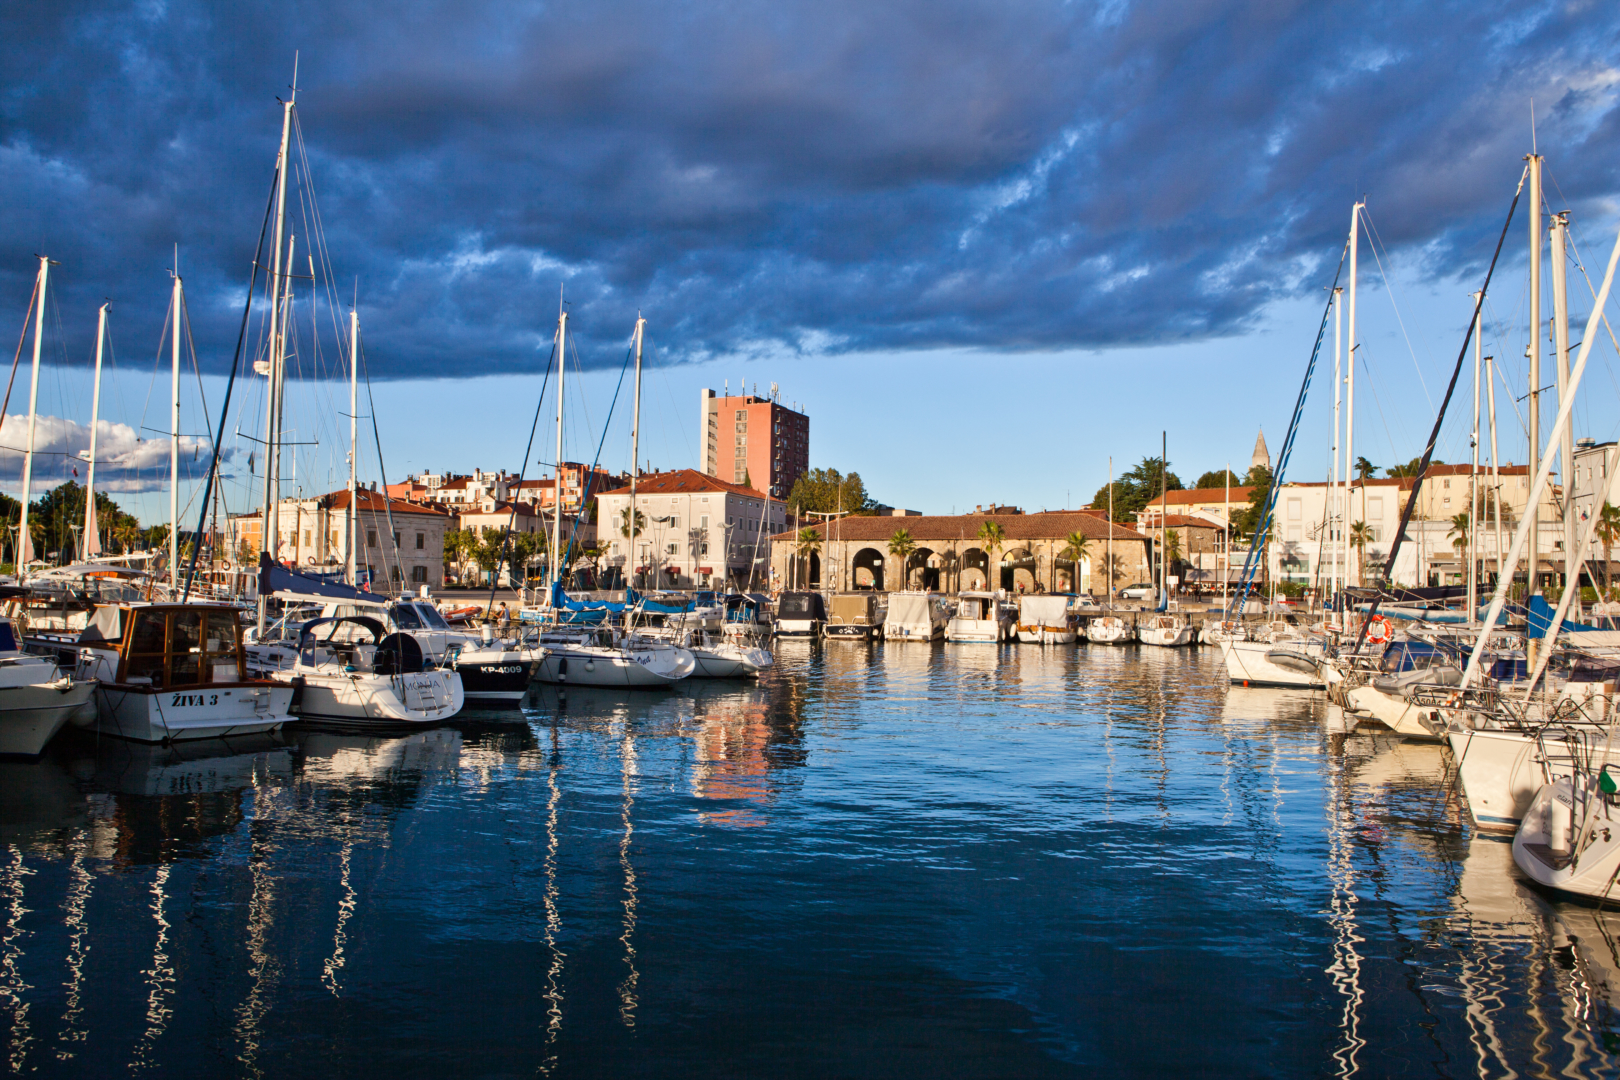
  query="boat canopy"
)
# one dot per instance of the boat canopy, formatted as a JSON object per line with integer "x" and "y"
{"x": 278, "y": 580}
{"x": 1046, "y": 608}
{"x": 801, "y": 605}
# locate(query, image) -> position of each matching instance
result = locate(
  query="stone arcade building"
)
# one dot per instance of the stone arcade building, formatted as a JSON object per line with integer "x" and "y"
{"x": 949, "y": 556}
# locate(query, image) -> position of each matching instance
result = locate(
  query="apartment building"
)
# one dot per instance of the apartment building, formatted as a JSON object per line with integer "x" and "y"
{"x": 753, "y": 441}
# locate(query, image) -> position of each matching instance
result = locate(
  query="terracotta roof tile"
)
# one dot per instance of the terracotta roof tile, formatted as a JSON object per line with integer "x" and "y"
{"x": 683, "y": 482}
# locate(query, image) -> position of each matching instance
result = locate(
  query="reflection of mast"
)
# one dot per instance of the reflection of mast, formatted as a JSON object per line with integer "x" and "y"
{"x": 159, "y": 978}
{"x": 1345, "y": 971}
{"x": 627, "y": 989}
{"x": 335, "y": 962}
{"x": 12, "y": 987}
{"x": 78, "y": 898}
{"x": 553, "y": 994}
{"x": 265, "y": 966}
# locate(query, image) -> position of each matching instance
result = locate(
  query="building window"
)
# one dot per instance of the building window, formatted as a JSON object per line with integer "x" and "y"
{"x": 421, "y": 541}
{"x": 395, "y": 574}
{"x": 307, "y": 540}
{"x": 703, "y": 521}
{"x": 419, "y": 575}
{"x": 675, "y": 521}
{"x": 669, "y": 549}
{"x": 396, "y": 541}
{"x": 703, "y": 548}
{"x": 371, "y": 538}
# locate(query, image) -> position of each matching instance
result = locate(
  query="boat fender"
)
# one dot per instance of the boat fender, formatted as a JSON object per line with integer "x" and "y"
{"x": 297, "y": 701}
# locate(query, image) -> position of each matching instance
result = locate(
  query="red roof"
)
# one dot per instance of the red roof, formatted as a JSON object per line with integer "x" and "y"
{"x": 1181, "y": 521}
{"x": 1202, "y": 495}
{"x": 685, "y": 482}
{"x": 376, "y": 501}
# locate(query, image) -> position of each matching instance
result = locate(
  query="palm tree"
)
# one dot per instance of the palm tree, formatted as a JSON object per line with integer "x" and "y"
{"x": 1360, "y": 537}
{"x": 992, "y": 536}
{"x": 1365, "y": 470}
{"x": 1608, "y": 534}
{"x": 901, "y": 545}
{"x": 127, "y": 533}
{"x": 1074, "y": 548}
{"x": 807, "y": 544}
{"x": 1459, "y": 531}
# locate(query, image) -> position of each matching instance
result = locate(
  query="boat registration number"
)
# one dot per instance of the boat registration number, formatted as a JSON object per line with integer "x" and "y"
{"x": 182, "y": 701}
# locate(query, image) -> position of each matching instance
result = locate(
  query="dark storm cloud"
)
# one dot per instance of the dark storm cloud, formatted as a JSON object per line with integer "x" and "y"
{"x": 782, "y": 176}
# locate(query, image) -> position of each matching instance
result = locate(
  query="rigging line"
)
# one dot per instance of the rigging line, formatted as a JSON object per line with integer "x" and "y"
{"x": 1428, "y": 451}
{"x": 157, "y": 361}
{"x": 21, "y": 338}
{"x": 1378, "y": 241}
{"x": 320, "y": 232}
{"x": 191, "y": 346}
{"x": 230, "y": 384}
{"x": 1581, "y": 266}
{"x": 585, "y": 497}
{"x": 517, "y": 492}
{"x": 1378, "y": 403}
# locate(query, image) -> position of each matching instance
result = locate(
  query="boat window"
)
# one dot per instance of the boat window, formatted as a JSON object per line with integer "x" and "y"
{"x": 431, "y": 617}
{"x": 223, "y": 662}
{"x": 146, "y": 648}
{"x": 405, "y": 617}
{"x": 185, "y": 649}
{"x": 793, "y": 605}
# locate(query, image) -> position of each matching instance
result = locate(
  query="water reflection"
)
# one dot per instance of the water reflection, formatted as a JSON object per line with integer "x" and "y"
{"x": 967, "y": 860}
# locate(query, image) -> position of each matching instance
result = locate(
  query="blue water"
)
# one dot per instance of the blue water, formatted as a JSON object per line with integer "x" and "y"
{"x": 950, "y": 861}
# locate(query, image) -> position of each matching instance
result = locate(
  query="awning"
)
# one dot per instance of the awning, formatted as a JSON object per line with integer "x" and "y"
{"x": 705, "y": 570}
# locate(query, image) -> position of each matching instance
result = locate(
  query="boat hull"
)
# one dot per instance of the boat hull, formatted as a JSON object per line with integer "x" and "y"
{"x": 849, "y": 632}
{"x": 908, "y": 632}
{"x": 1165, "y": 638}
{"x": 1048, "y": 635}
{"x": 1501, "y": 771}
{"x": 1251, "y": 663}
{"x": 1108, "y": 633}
{"x": 614, "y": 667}
{"x": 362, "y": 700}
{"x": 32, "y": 714}
{"x": 505, "y": 678}
{"x": 146, "y": 714}
{"x": 976, "y": 631}
{"x": 1395, "y": 713}
{"x": 1544, "y": 847}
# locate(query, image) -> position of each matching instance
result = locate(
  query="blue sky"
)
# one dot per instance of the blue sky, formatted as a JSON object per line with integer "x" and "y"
{"x": 986, "y": 245}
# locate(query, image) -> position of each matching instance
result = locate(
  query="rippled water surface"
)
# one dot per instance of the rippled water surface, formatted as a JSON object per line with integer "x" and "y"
{"x": 885, "y": 861}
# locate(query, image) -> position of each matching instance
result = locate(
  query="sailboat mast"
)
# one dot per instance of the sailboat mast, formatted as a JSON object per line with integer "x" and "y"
{"x": 1110, "y": 530}
{"x": 556, "y": 473}
{"x": 1333, "y": 450}
{"x": 1533, "y": 352}
{"x": 353, "y": 522}
{"x": 1496, "y": 475}
{"x": 1473, "y": 476}
{"x": 266, "y": 525}
{"x": 635, "y": 443}
{"x": 1573, "y": 559}
{"x": 91, "y": 544}
{"x": 1350, "y": 397}
{"x": 1164, "y": 516}
{"x": 174, "y": 440}
{"x": 25, "y": 545}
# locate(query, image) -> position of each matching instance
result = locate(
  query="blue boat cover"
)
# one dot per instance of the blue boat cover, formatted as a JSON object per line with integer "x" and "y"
{"x": 1541, "y": 615}
{"x": 275, "y": 578}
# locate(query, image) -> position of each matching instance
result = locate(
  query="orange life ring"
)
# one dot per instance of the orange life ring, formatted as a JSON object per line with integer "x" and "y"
{"x": 1378, "y": 630}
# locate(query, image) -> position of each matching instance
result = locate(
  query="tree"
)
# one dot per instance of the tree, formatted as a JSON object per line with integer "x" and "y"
{"x": 624, "y": 526}
{"x": 1608, "y": 534}
{"x": 901, "y": 545}
{"x": 1360, "y": 537}
{"x": 1172, "y": 546}
{"x": 1459, "y": 532}
{"x": 1248, "y": 520}
{"x": 991, "y": 537}
{"x": 1217, "y": 478}
{"x": 1410, "y": 469}
{"x": 1365, "y": 470}
{"x": 1074, "y": 549}
{"x": 1137, "y": 488}
{"x": 826, "y": 491}
{"x": 807, "y": 544}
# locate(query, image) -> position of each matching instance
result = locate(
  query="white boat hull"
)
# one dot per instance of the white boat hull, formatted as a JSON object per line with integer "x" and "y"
{"x": 1501, "y": 771}
{"x": 1109, "y": 632}
{"x": 360, "y": 698}
{"x": 727, "y": 661}
{"x": 1048, "y": 635}
{"x": 1395, "y": 713}
{"x": 1545, "y": 847}
{"x": 976, "y": 631}
{"x": 1170, "y": 637}
{"x": 31, "y": 714}
{"x": 215, "y": 711}
{"x": 1251, "y": 663}
{"x": 607, "y": 666}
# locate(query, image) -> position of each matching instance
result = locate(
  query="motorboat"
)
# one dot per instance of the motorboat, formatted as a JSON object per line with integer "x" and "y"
{"x": 51, "y": 613}
{"x": 1406, "y": 665}
{"x": 856, "y": 616}
{"x": 715, "y": 655}
{"x": 175, "y": 671}
{"x": 915, "y": 616}
{"x": 982, "y": 617}
{"x": 1296, "y": 664}
{"x": 1165, "y": 630}
{"x": 1108, "y": 630}
{"x": 1047, "y": 619}
{"x": 584, "y": 655}
{"x": 1569, "y": 838}
{"x": 351, "y": 670}
{"x": 748, "y": 617}
{"x": 800, "y": 614}
{"x": 36, "y": 698}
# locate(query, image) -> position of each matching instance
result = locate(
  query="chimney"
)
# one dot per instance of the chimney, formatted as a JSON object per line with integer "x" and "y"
{"x": 374, "y": 485}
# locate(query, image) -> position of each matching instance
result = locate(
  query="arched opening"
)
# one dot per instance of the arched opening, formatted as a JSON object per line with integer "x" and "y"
{"x": 868, "y": 569}
{"x": 815, "y": 570}
{"x": 975, "y": 570}
{"x": 1018, "y": 571}
{"x": 922, "y": 569}
{"x": 1071, "y": 577}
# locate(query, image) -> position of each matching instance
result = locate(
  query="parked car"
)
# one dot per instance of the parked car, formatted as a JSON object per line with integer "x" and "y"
{"x": 1140, "y": 591}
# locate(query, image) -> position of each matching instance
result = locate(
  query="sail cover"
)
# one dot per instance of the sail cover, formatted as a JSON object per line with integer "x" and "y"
{"x": 276, "y": 579}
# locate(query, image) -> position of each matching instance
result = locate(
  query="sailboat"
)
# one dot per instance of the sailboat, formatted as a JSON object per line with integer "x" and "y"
{"x": 1163, "y": 627}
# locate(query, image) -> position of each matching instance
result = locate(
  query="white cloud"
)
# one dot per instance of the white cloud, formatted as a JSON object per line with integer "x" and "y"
{"x": 125, "y": 462}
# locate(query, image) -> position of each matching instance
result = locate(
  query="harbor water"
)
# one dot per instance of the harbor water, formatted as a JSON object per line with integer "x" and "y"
{"x": 891, "y": 860}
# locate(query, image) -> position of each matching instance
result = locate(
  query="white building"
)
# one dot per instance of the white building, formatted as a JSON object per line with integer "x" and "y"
{"x": 696, "y": 531}
{"x": 314, "y": 534}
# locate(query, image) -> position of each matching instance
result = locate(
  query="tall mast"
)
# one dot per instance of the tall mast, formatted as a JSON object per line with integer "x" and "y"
{"x": 1573, "y": 560}
{"x": 174, "y": 440}
{"x": 91, "y": 544}
{"x": 1333, "y": 465}
{"x": 1350, "y": 396}
{"x": 556, "y": 473}
{"x": 353, "y": 522}
{"x": 1473, "y": 477}
{"x": 1533, "y": 352}
{"x": 1110, "y": 592}
{"x": 25, "y": 544}
{"x": 1496, "y": 474}
{"x": 1164, "y": 517}
{"x": 635, "y": 445}
{"x": 268, "y": 526}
